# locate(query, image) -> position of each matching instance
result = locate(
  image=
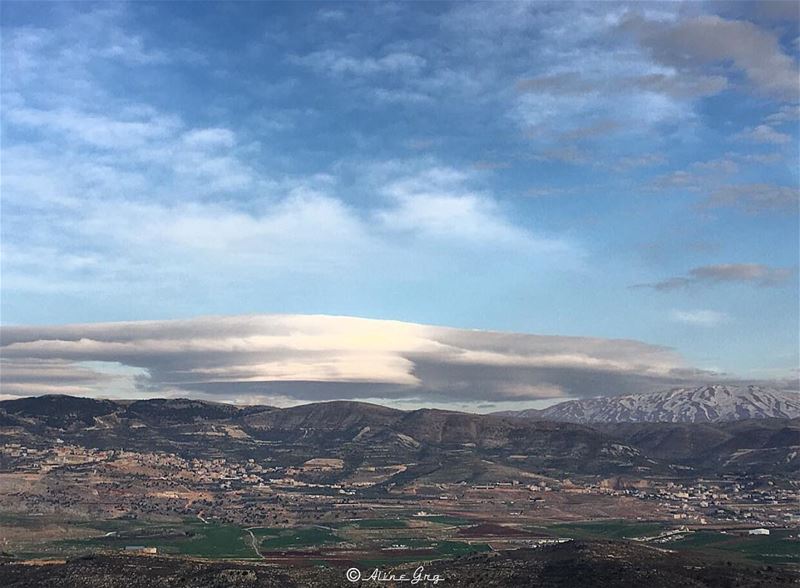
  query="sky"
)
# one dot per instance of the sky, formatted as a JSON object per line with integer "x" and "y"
{"x": 532, "y": 201}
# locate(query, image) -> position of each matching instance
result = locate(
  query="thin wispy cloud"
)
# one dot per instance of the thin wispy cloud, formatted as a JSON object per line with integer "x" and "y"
{"x": 756, "y": 197}
{"x": 742, "y": 46}
{"x": 735, "y": 273}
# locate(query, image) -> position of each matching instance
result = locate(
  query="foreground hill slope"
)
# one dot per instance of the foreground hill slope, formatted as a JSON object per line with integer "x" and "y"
{"x": 575, "y": 564}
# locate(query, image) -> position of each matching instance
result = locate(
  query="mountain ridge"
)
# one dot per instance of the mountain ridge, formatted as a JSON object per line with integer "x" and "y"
{"x": 703, "y": 404}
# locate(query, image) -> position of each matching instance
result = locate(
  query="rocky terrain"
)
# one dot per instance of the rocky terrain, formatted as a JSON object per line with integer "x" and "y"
{"x": 574, "y": 564}
{"x": 705, "y": 404}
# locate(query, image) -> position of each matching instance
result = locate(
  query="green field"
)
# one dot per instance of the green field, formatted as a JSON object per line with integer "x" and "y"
{"x": 611, "y": 529}
{"x": 379, "y": 524}
{"x": 773, "y": 548}
{"x": 191, "y": 537}
{"x": 198, "y": 540}
{"x": 213, "y": 540}
{"x": 701, "y": 540}
{"x": 273, "y": 539}
{"x": 457, "y": 548}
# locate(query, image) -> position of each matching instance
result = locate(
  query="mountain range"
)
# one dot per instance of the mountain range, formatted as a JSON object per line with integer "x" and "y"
{"x": 704, "y": 404}
{"x": 434, "y": 445}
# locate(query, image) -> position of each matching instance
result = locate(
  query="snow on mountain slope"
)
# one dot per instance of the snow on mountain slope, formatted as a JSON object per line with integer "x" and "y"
{"x": 681, "y": 405}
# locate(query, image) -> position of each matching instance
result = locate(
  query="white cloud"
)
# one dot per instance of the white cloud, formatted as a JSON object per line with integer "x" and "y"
{"x": 699, "y": 318}
{"x": 439, "y": 202}
{"x": 301, "y": 232}
{"x": 210, "y": 138}
{"x": 394, "y": 95}
{"x": 96, "y": 130}
{"x": 144, "y": 155}
{"x": 331, "y": 15}
{"x": 335, "y": 62}
{"x": 764, "y": 134}
{"x": 135, "y": 227}
{"x": 788, "y": 113}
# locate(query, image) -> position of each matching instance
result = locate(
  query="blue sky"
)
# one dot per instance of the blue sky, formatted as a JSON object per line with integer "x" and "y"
{"x": 621, "y": 171}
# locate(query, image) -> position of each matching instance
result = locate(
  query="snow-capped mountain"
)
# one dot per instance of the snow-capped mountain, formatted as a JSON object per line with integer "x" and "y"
{"x": 679, "y": 405}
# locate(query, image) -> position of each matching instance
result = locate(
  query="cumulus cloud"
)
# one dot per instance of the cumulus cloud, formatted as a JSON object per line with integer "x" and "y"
{"x": 741, "y": 273}
{"x": 314, "y": 357}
